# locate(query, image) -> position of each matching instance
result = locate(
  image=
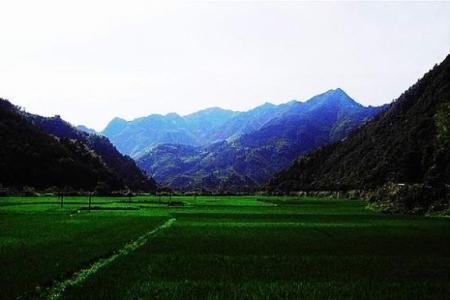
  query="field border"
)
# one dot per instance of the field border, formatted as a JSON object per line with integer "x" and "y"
{"x": 56, "y": 290}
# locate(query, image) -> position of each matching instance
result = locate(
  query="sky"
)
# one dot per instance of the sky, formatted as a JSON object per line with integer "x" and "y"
{"x": 91, "y": 61}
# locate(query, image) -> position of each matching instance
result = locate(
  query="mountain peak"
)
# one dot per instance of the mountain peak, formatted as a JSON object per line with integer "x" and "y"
{"x": 118, "y": 120}
{"x": 337, "y": 96}
{"x": 336, "y": 92}
{"x": 211, "y": 110}
{"x": 114, "y": 126}
{"x": 267, "y": 104}
{"x": 173, "y": 115}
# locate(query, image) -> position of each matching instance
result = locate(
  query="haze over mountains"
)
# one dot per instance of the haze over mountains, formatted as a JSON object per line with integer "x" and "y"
{"x": 137, "y": 136}
{"x": 223, "y": 150}
{"x": 204, "y": 127}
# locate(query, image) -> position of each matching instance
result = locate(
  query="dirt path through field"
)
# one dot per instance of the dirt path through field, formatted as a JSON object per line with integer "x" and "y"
{"x": 56, "y": 290}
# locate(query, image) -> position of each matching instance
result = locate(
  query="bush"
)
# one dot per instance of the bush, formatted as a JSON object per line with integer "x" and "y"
{"x": 103, "y": 189}
{"x": 29, "y": 191}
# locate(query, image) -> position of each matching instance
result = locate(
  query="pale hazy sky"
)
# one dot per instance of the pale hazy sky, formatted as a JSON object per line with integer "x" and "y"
{"x": 90, "y": 61}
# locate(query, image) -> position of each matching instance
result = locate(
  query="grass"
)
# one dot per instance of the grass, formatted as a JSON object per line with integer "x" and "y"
{"x": 41, "y": 245}
{"x": 226, "y": 248}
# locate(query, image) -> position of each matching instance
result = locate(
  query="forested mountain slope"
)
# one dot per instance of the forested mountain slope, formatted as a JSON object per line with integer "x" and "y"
{"x": 123, "y": 166}
{"x": 30, "y": 156}
{"x": 409, "y": 143}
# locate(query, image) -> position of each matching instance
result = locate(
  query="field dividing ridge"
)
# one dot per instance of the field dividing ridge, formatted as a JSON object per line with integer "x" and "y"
{"x": 55, "y": 291}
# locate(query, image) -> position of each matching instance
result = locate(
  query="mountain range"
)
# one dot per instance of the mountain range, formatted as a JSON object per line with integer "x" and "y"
{"x": 222, "y": 150}
{"x": 136, "y": 137}
{"x": 329, "y": 142}
{"x": 205, "y": 127}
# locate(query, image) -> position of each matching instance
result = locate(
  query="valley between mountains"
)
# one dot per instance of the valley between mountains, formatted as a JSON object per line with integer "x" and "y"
{"x": 396, "y": 153}
{"x": 225, "y": 151}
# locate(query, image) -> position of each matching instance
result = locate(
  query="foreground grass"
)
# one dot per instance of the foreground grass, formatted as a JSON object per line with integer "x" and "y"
{"x": 314, "y": 252}
{"x": 224, "y": 248}
{"x": 37, "y": 249}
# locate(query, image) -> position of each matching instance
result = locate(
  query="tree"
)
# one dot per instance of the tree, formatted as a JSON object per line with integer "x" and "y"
{"x": 103, "y": 189}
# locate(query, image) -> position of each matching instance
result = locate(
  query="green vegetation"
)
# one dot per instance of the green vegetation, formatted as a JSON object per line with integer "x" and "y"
{"x": 442, "y": 122}
{"x": 219, "y": 248}
{"x": 40, "y": 242}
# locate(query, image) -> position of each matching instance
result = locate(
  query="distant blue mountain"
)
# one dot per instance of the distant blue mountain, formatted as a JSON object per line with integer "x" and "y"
{"x": 201, "y": 128}
{"x": 248, "y": 148}
{"x": 137, "y": 136}
{"x": 248, "y": 121}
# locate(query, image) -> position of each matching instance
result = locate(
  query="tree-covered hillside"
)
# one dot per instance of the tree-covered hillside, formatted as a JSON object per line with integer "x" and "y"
{"x": 30, "y": 156}
{"x": 409, "y": 143}
{"x": 123, "y": 166}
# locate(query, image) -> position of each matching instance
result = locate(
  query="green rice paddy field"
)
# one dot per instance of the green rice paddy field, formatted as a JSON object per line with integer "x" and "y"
{"x": 218, "y": 248}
